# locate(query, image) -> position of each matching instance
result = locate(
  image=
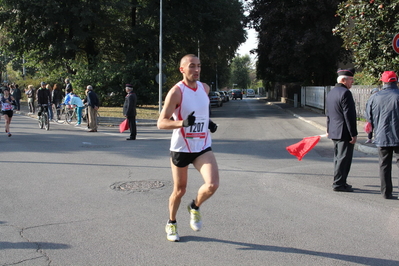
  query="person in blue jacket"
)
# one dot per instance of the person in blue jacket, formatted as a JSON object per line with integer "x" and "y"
{"x": 383, "y": 113}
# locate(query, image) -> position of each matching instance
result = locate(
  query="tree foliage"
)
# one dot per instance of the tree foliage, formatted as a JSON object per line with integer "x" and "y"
{"x": 367, "y": 28}
{"x": 240, "y": 70}
{"x": 107, "y": 43}
{"x": 296, "y": 41}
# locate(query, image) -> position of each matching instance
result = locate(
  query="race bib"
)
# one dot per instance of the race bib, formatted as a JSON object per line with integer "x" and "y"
{"x": 198, "y": 130}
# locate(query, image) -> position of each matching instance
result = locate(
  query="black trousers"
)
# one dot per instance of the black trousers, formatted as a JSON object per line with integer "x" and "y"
{"x": 343, "y": 153}
{"x": 385, "y": 162}
{"x": 132, "y": 126}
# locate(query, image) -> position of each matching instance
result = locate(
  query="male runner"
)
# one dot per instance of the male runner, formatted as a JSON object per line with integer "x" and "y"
{"x": 188, "y": 103}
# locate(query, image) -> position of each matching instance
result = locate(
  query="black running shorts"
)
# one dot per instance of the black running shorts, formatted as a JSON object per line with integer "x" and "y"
{"x": 182, "y": 159}
{"x": 8, "y": 113}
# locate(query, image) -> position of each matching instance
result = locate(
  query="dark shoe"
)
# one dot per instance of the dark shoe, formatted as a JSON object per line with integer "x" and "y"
{"x": 389, "y": 197}
{"x": 347, "y": 185}
{"x": 343, "y": 189}
{"x": 131, "y": 139}
{"x": 93, "y": 130}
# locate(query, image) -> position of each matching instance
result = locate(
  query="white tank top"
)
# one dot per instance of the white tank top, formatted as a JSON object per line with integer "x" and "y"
{"x": 195, "y": 138}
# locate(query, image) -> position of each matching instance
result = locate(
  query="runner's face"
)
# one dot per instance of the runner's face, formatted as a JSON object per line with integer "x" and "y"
{"x": 191, "y": 68}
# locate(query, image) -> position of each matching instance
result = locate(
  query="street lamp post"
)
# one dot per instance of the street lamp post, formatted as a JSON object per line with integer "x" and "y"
{"x": 160, "y": 57}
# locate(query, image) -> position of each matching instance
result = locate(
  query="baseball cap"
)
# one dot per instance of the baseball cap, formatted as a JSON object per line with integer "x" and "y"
{"x": 389, "y": 76}
{"x": 42, "y": 83}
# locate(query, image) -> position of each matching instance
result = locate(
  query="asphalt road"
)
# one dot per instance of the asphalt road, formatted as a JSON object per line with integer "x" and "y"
{"x": 69, "y": 197}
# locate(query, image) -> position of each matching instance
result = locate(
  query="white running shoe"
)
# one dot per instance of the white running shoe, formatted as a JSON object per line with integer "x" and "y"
{"x": 171, "y": 232}
{"x": 195, "y": 218}
{"x": 368, "y": 141}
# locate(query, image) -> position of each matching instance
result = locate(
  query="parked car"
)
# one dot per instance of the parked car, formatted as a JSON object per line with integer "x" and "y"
{"x": 235, "y": 94}
{"x": 225, "y": 96}
{"x": 215, "y": 99}
{"x": 250, "y": 93}
{"x": 222, "y": 96}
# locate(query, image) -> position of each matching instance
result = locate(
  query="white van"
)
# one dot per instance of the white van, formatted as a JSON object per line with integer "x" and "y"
{"x": 250, "y": 93}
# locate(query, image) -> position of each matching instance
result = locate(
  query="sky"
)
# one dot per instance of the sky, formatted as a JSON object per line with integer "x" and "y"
{"x": 250, "y": 44}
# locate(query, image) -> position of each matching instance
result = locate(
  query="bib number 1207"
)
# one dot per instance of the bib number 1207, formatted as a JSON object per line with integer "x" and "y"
{"x": 197, "y": 127}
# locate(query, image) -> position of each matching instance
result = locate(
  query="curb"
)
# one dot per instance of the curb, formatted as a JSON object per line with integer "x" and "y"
{"x": 109, "y": 121}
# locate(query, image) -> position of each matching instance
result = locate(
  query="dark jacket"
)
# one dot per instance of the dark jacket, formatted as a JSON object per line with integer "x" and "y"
{"x": 382, "y": 112}
{"x": 341, "y": 114}
{"x": 92, "y": 99}
{"x": 43, "y": 96}
{"x": 16, "y": 93}
{"x": 129, "y": 107}
{"x": 56, "y": 96}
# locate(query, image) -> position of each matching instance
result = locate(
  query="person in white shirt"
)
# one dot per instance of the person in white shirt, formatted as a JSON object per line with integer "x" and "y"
{"x": 188, "y": 103}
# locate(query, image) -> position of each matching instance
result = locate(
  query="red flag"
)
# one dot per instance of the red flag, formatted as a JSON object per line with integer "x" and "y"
{"x": 368, "y": 128}
{"x": 124, "y": 126}
{"x": 301, "y": 148}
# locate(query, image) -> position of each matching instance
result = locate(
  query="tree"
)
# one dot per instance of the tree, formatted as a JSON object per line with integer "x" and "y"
{"x": 367, "y": 28}
{"x": 240, "y": 70}
{"x": 107, "y": 43}
{"x": 296, "y": 41}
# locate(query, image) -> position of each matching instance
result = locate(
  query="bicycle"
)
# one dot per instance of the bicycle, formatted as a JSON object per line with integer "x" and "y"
{"x": 56, "y": 112}
{"x": 43, "y": 117}
{"x": 71, "y": 116}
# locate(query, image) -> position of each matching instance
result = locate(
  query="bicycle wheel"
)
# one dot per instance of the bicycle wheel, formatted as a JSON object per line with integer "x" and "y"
{"x": 46, "y": 121}
{"x": 55, "y": 116}
{"x": 69, "y": 115}
{"x": 40, "y": 120}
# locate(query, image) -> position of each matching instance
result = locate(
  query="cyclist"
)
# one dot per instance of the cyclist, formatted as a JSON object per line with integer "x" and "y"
{"x": 43, "y": 98}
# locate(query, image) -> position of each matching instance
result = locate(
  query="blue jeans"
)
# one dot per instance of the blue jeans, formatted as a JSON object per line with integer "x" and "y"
{"x": 50, "y": 111}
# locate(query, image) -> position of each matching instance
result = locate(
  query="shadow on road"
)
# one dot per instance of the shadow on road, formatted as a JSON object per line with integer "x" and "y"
{"x": 270, "y": 248}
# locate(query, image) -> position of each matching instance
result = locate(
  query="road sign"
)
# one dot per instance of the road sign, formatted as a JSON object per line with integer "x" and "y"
{"x": 395, "y": 43}
{"x": 163, "y": 78}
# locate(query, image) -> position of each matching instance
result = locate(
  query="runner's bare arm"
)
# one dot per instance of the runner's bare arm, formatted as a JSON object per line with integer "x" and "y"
{"x": 172, "y": 101}
{"x": 206, "y": 87}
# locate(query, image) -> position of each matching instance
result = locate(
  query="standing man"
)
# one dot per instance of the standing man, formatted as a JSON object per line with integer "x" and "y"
{"x": 16, "y": 93}
{"x": 68, "y": 85}
{"x": 129, "y": 110}
{"x": 383, "y": 113}
{"x": 188, "y": 103}
{"x": 92, "y": 103}
{"x": 341, "y": 127}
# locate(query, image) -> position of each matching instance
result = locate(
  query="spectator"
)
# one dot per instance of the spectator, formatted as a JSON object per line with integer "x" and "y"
{"x": 383, "y": 113}
{"x": 129, "y": 110}
{"x": 77, "y": 103}
{"x": 370, "y": 135}
{"x": 56, "y": 96}
{"x": 50, "y": 103}
{"x": 342, "y": 128}
{"x": 30, "y": 93}
{"x": 16, "y": 94}
{"x": 92, "y": 108}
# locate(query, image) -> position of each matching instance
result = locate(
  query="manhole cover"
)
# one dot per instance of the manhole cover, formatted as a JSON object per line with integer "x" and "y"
{"x": 138, "y": 186}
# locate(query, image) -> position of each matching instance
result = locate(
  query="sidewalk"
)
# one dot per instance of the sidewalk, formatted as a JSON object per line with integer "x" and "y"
{"x": 318, "y": 120}
{"x": 103, "y": 121}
